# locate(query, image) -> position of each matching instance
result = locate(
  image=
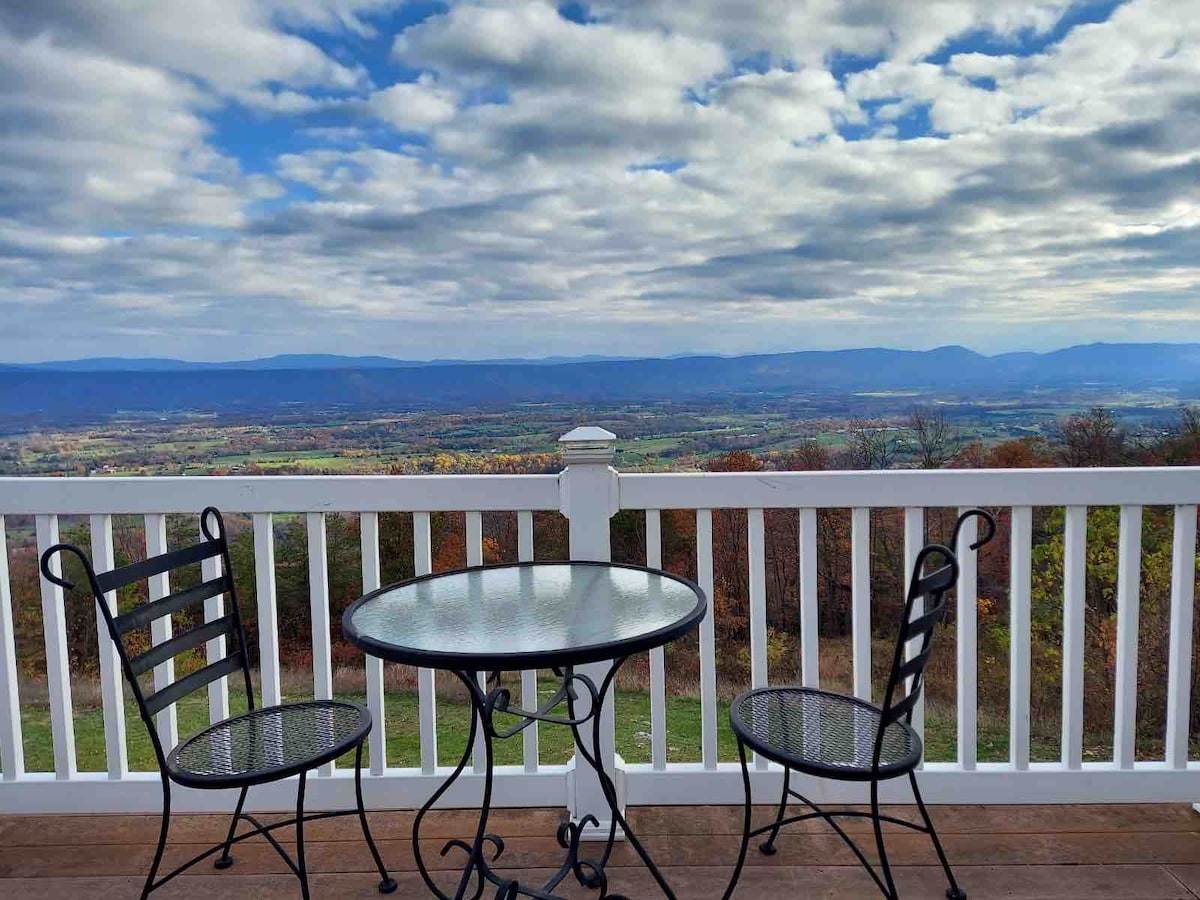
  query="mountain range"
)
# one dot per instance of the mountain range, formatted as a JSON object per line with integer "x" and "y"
{"x": 102, "y": 387}
{"x": 286, "y": 361}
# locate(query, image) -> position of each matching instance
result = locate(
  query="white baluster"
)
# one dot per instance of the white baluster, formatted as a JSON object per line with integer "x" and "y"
{"x": 529, "y": 684}
{"x": 111, "y": 693}
{"x": 12, "y": 748}
{"x": 708, "y": 646}
{"x": 658, "y": 662}
{"x": 160, "y": 629}
{"x": 58, "y": 673}
{"x": 1074, "y": 611}
{"x": 968, "y": 651}
{"x": 860, "y": 599}
{"x": 475, "y": 558}
{"x": 1129, "y": 570}
{"x": 214, "y": 608}
{"x": 426, "y": 683}
{"x": 756, "y": 547}
{"x": 1179, "y": 679}
{"x": 1020, "y": 637}
{"x": 268, "y": 619}
{"x": 914, "y": 540}
{"x": 368, "y": 526}
{"x": 318, "y": 597}
{"x": 810, "y": 633}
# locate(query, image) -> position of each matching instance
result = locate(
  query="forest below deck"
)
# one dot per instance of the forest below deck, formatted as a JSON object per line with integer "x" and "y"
{"x": 1094, "y": 438}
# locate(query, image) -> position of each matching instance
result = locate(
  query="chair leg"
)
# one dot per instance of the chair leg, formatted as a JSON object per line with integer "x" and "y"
{"x": 224, "y": 861}
{"x": 387, "y": 884}
{"x": 890, "y": 891}
{"x": 768, "y": 846}
{"x": 741, "y": 861}
{"x": 301, "y": 869}
{"x": 954, "y": 892}
{"x": 164, "y": 826}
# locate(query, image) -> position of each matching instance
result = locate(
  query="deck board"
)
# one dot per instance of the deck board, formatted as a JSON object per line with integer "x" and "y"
{"x": 1085, "y": 852}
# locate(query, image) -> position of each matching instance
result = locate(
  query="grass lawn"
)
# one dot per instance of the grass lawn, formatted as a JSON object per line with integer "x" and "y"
{"x": 554, "y": 742}
{"x": 403, "y": 736}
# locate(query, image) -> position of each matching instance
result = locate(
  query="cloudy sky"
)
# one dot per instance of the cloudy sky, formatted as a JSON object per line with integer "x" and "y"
{"x": 520, "y": 178}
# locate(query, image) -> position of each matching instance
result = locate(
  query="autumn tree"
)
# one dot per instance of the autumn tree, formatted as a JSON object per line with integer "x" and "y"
{"x": 1094, "y": 438}
{"x": 810, "y": 456}
{"x": 1179, "y": 444}
{"x": 937, "y": 441}
{"x": 869, "y": 445}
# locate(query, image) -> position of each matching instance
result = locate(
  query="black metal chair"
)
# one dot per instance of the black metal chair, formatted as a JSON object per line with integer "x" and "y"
{"x": 848, "y": 739}
{"x": 262, "y": 745}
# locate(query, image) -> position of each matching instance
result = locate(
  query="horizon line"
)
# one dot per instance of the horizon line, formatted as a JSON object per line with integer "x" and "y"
{"x": 560, "y": 359}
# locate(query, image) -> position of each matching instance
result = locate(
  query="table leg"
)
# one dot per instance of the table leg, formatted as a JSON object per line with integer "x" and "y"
{"x": 475, "y": 851}
{"x": 588, "y": 872}
{"x": 595, "y": 759}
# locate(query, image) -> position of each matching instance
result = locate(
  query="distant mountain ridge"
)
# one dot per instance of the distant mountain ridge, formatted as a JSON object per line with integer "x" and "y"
{"x": 39, "y": 393}
{"x": 284, "y": 361}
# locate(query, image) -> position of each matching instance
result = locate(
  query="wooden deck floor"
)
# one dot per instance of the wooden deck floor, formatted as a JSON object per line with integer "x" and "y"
{"x": 1014, "y": 852}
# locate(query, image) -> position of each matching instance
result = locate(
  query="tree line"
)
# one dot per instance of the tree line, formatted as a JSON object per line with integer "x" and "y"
{"x": 927, "y": 439}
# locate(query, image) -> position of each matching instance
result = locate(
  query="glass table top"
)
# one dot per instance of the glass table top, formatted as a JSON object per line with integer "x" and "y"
{"x": 524, "y": 616}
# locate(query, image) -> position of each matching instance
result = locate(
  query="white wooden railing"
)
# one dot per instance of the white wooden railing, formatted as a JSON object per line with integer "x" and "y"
{"x": 589, "y": 492}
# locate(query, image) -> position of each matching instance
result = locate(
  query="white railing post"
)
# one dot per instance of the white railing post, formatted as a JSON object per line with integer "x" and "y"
{"x": 589, "y": 498}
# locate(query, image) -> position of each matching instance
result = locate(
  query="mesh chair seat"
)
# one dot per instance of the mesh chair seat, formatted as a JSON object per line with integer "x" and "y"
{"x": 269, "y": 744}
{"x": 824, "y": 734}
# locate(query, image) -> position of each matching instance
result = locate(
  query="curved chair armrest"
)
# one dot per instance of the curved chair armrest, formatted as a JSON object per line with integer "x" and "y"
{"x": 988, "y": 519}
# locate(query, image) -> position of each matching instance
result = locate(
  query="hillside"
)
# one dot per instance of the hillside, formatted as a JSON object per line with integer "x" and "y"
{"x": 42, "y": 393}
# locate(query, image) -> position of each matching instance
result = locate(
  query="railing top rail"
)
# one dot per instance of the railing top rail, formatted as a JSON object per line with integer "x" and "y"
{"x": 278, "y": 493}
{"x": 912, "y": 487}
{"x": 723, "y": 490}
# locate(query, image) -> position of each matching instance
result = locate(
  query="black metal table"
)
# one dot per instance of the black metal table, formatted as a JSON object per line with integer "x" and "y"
{"x": 507, "y": 618}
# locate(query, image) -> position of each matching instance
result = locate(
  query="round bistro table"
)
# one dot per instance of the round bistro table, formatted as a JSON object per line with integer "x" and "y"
{"x": 507, "y": 618}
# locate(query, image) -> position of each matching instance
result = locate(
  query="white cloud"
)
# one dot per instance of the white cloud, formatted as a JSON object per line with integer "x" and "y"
{"x": 528, "y": 45}
{"x": 229, "y": 44}
{"x": 602, "y": 92}
{"x": 784, "y": 104}
{"x": 94, "y": 142}
{"x": 674, "y": 176}
{"x": 810, "y": 31}
{"x": 415, "y": 106}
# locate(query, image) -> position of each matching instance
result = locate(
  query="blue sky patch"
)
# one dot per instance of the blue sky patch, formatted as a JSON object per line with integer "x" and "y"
{"x": 1028, "y": 42}
{"x": 659, "y": 165}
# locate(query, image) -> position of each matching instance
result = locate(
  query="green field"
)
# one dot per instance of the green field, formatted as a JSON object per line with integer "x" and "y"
{"x": 651, "y": 435}
{"x": 554, "y": 742}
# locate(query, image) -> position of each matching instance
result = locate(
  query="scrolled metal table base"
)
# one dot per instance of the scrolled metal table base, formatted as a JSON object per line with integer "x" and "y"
{"x": 486, "y": 848}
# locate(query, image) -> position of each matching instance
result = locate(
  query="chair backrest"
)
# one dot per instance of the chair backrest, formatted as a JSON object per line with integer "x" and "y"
{"x": 121, "y": 625}
{"x": 918, "y": 623}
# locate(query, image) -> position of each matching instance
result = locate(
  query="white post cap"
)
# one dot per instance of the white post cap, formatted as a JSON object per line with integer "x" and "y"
{"x": 588, "y": 444}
